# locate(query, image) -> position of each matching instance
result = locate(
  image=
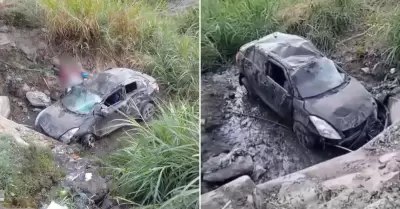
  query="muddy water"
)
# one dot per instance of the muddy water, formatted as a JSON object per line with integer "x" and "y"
{"x": 233, "y": 120}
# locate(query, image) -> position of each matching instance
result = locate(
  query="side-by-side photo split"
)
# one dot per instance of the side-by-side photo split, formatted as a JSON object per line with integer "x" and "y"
{"x": 99, "y": 104}
{"x": 199, "y": 104}
{"x": 300, "y": 104}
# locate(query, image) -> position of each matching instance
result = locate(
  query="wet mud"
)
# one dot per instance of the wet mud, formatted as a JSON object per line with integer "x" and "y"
{"x": 232, "y": 120}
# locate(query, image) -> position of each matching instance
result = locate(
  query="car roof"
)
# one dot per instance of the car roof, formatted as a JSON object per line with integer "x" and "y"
{"x": 104, "y": 83}
{"x": 292, "y": 51}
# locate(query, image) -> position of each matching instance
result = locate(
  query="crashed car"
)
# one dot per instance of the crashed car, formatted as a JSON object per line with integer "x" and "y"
{"x": 97, "y": 106}
{"x": 325, "y": 104}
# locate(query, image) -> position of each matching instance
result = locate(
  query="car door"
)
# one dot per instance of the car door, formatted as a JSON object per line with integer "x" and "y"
{"x": 248, "y": 65}
{"x": 259, "y": 69}
{"x": 133, "y": 92}
{"x": 279, "y": 98}
{"x": 112, "y": 114}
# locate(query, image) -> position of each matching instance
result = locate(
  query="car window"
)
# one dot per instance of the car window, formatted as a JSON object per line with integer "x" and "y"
{"x": 317, "y": 77}
{"x": 114, "y": 98}
{"x": 130, "y": 88}
{"x": 80, "y": 100}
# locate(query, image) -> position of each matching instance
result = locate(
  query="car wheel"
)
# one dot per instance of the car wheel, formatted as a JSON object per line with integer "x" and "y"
{"x": 88, "y": 140}
{"x": 305, "y": 137}
{"x": 249, "y": 90}
{"x": 147, "y": 112}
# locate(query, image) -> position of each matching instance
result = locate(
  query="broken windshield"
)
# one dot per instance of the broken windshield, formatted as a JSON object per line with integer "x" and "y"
{"x": 80, "y": 100}
{"x": 317, "y": 78}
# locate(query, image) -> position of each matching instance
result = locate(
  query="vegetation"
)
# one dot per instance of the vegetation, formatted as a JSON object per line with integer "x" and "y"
{"x": 160, "y": 166}
{"x": 21, "y": 189}
{"x": 227, "y": 25}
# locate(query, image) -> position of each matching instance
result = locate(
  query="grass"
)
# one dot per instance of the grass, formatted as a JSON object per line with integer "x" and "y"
{"x": 22, "y": 190}
{"x": 160, "y": 166}
{"x": 133, "y": 33}
{"x": 228, "y": 24}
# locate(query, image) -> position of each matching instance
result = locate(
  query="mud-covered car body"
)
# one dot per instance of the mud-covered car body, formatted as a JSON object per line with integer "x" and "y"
{"x": 97, "y": 105}
{"x": 297, "y": 81}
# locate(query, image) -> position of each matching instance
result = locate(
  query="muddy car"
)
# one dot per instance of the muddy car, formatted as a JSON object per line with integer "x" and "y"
{"x": 325, "y": 104}
{"x": 98, "y": 106}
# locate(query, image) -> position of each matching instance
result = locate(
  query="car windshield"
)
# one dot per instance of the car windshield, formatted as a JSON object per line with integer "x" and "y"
{"x": 317, "y": 78}
{"x": 80, "y": 100}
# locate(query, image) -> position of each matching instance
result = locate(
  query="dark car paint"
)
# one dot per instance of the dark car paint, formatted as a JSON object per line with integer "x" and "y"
{"x": 345, "y": 108}
{"x": 56, "y": 120}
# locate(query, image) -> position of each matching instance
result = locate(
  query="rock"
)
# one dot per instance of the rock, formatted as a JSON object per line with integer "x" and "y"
{"x": 95, "y": 188}
{"x": 227, "y": 166}
{"x": 258, "y": 172}
{"x": 47, "y": 92}
{"x": 55, "y": 95}
{"x": 38, "y": 99}
{"x": 5, "y": 108}
{"x": 26, "y": 88}
{"x": 237, "y": 194}
{"x": 4, "y": 39}
{"x": 366, "y": 70}
{"x": 392, "y": 71}
{"x": 394, "y": 109}
{"x": 4, "y": 29}
{"x": 54, "y": 205}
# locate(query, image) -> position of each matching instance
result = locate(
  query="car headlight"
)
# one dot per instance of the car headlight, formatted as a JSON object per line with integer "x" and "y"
{"x": 324, "y": 129}
{"x": 66, "y": 138}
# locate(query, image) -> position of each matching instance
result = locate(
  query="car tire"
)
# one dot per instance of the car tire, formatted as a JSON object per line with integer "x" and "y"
{"x": 304, "y": 136}
{"x": 147, "y": 112}
{"x": 250, "y": 92}
{"x": 88, "y": 140}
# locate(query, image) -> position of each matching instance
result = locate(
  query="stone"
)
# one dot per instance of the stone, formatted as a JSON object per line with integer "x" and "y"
{"x": 55, "y": 95}
{"x": 392, "y": 71}
{"x": 47, "y": 92}
{"x": 5, "y": 108}
{"x": 38, "y": 99}
{"x": 237, "y": 194}
{"x": 26, "y": 88}
{"x": 258, "y": 172}
{"x": 4, "y": 29}
{"x": 54, "y": 205}
{"x": 366, "y": 70}
{"x": 224, "y": 167}
{"x": 95, "y": 188}
{"x": 394, "y": 109}
{"x": 4, "y": 39}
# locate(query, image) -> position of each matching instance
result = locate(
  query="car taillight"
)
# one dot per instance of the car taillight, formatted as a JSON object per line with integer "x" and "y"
{"x": 239, "y": 57}
{"x": 155, "y": 86}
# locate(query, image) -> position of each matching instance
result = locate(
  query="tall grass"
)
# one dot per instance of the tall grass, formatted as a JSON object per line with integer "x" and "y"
{"x": 228, "y": 24}
{"x": 160, "y": 167}
{"x": 133, "y": 33}
{"x": 25, "y": 172}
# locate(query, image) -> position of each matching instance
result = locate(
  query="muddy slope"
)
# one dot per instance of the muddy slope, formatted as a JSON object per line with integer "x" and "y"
{"x": 232, "y": 120}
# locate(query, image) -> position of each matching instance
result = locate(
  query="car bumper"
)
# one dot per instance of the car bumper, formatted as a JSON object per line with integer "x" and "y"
{"x": 371, "y": 128}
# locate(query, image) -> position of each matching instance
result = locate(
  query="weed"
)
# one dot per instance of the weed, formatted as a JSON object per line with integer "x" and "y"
{"x": 160, "y": 166}
{"x": 22, "y": 189}
{"x": 135, "y": 34}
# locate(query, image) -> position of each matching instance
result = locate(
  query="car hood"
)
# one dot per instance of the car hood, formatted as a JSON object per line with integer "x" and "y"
{"x": 344, "y": 109}
{"x": 56, "y": 120}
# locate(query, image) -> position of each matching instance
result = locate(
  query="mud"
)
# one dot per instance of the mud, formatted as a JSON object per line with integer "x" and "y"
{"x": 231, "y": 120}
